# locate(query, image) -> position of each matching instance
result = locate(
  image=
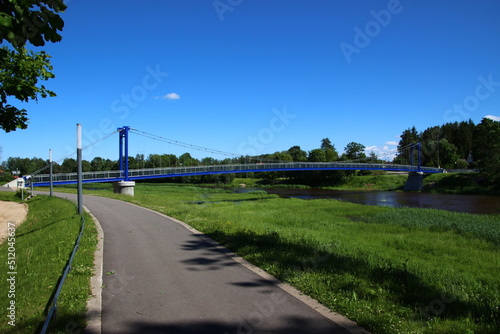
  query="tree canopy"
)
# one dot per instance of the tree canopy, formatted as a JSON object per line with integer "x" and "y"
{"x": 22, "y": 22}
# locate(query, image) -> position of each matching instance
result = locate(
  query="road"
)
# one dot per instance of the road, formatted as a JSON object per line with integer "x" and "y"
{"x": 160, "y": 276}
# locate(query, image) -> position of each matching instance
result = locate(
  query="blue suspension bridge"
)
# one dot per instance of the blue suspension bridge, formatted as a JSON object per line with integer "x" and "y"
{"x": 125, "y": 174}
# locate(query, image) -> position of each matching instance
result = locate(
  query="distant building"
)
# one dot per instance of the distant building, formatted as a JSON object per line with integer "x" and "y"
{"x": 469, "y": 158}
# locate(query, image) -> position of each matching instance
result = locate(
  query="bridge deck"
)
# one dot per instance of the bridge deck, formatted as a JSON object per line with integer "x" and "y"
{"x": 150, "y": 173}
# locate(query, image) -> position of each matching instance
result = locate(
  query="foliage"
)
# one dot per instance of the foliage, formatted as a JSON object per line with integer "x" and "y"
{"x": 440, "y": 153}
{"x": 460, "y": 183}
{"x": 452, "y": 145}
{"x": 487, "y": 147}
{"x": 23, "y": 21}
{"x": 317, "y": 155}
{"x": 355, "y": 151}
{"x": 297, "y": 154}
{"x": 33, "y": 21}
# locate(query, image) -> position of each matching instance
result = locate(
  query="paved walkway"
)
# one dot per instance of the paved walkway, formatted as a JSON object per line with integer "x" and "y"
{"x": 160, "y": 276}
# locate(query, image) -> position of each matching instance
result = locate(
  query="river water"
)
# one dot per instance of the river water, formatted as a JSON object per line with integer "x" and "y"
{"x": 459, "y": 203}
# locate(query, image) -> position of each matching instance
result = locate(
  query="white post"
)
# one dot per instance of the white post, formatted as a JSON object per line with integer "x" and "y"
{"x": 79, "y": 162}
{"x": 50, "y": 170}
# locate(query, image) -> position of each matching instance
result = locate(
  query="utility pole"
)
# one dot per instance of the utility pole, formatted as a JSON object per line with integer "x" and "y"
{"x": 79, "y": 163}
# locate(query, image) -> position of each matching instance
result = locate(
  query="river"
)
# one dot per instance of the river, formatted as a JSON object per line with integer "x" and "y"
{"x": 450, "y": 202}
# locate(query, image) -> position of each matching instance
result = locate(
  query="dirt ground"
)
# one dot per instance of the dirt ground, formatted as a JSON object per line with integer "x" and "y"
{"x": 11, "y": 212}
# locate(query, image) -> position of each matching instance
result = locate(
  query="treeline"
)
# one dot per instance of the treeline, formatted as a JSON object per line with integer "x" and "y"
{"x": 327, "y": 152}
{"x": 452, "y": 145}
{"x": 455, "y": 146}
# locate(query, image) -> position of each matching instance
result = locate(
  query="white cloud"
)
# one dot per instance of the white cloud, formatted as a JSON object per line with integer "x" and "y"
{"x": 171, "y": 96}
{"x": 392, "y": 143}
{"x": 382, "y": 152}
{"x": 495, "y": 118}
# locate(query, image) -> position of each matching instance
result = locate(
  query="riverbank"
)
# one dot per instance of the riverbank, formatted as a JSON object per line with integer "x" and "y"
{"x": 391, "y": 270}
{"x": 459, "y": 183}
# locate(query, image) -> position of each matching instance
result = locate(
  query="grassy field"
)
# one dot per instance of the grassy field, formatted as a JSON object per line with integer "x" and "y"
{"x": 43, "y": 244}
{"x": 391, "y": 270}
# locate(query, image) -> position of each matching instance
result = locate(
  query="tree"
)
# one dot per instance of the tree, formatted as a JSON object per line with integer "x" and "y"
{"x": 373, "y": 157}
{"x": 23, "y": 21}
{"x": 326, "y": 143}
{"x": 187, "y": 160}
{"x": 331, "y": 153}
{"x": 409, "y": 136}
{"x": 317, "y": 155}
{"x": 298, "y": 155}
{"x": 282, "y": 156}
{"x": 86, "y": 166}
{"x": 208, "y": 161}
{"x": 355, "y": 151}
{"x": 69, "y": 165}
{"x": 448, "y": 156}
{"x": 97, "y": 164}
{"x": 487, "y": 147}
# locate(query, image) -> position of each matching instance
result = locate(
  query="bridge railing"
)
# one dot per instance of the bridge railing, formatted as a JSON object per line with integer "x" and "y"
{"x": 268, "y": 166}
{"x": 69, "y": 177}
{"x": 186, "y": 170}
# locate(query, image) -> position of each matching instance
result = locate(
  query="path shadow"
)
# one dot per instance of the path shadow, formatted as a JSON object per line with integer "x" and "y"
{"x": 290, "y": 325}
{"x": 212, "y": 257}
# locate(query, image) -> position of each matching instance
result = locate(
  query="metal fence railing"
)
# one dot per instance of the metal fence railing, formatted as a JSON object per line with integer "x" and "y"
{"x": 62, "y": 178}
{"x": 53, "y": 309}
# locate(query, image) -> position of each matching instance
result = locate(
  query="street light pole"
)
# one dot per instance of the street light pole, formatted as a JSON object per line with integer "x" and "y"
{"x": 50, "y": 170}
{"x": 79, "y": 163}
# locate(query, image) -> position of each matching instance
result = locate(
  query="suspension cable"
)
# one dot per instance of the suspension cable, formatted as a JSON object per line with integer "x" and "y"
{"x": 178, "y": 143}
{"x": 197, "y": 147}
{"x": 74, "y": 152}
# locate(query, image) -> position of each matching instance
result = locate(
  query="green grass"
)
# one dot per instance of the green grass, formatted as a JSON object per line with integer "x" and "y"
{"x": 9, "y": 196}
{"x": 460, "y": 183}
{"x": 391, "y": 270}
{"x": 43, "y": 245}
{"x": 374, "y": 182}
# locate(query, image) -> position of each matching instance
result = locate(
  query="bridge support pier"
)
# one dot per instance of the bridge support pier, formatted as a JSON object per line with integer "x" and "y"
{"x": 124, "y": 187}
{"x": 415, "y": 181}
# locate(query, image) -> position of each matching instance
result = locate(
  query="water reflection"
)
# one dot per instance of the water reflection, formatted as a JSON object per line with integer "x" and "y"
{"x": 458, "y": 203}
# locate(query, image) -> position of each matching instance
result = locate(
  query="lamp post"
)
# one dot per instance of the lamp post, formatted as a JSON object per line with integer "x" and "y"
{"x": 79, "y": 163}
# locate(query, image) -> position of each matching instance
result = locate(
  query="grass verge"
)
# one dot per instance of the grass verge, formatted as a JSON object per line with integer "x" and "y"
{"x": 43, "y": 244}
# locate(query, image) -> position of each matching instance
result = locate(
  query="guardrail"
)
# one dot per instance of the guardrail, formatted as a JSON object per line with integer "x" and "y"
{"x": 461, "y": 171}
{"x": 53, "y": 308}
{"x": 134, "y": 174}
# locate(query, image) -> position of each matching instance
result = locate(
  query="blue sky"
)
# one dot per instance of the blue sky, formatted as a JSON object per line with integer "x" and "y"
{"x": 255, "y": 77}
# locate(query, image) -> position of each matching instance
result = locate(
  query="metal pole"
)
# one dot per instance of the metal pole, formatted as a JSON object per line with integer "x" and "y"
{"x": 411, "y": 154}
{"x": 50, "y": 171}
{"x": 419, "y": 156}
{"x": 79, "y": 162}
{"x": 126, "y": 128}
{"x": 120, "y": 159}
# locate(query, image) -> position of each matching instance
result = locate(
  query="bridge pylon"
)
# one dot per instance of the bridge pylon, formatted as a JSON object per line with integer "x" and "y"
{"x": 125, "y": 186}
{"x": 123, "y": 151}
{"x": 419, "y": 155}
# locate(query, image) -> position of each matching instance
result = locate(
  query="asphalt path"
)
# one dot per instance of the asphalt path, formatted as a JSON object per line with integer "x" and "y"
{"x": 160, "y": 276}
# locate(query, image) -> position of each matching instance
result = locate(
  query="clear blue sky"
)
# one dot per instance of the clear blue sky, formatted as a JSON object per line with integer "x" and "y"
{"x": 255, "y": 77}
